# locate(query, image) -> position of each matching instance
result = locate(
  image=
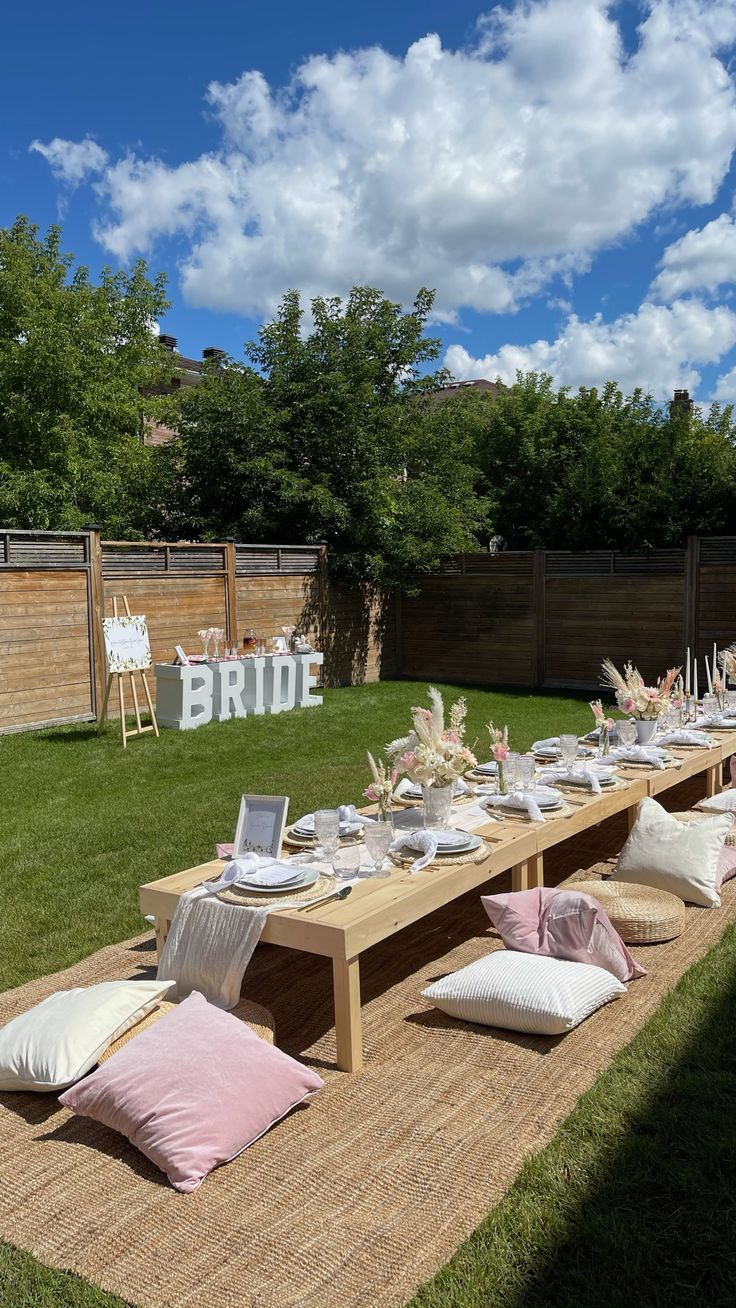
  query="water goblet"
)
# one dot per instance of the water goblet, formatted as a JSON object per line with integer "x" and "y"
{"x": 327, "y": 831}
{"x": 378, "y": 837}
{"x": 346, "y": 862}
{"x": 626, "y": 732}
{"x": 569, "y": 751}
{"x": 525, "y": 772}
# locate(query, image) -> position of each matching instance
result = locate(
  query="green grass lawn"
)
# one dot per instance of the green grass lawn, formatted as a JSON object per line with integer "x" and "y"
{"x": 628, "y": 1205}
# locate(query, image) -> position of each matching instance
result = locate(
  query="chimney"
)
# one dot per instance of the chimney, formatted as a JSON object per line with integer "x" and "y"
{"x": 212, "y": 352}
{"x": 168, "y": 342}
{"x": 680, "y": 403}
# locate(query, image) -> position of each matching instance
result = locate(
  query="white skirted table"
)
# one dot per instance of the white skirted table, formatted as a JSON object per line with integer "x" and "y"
{"x": 197, "y": 693}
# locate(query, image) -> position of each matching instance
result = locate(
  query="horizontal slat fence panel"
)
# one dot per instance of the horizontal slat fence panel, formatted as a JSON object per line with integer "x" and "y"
{"x": 716, "y": 606}
{"x": 638, "y": 618}
{"x": 289, "y": 560}
{"x": 44, "y": 647}
{"x": 470, "y": 629}
{"x": 123, "y": 560}
{"x": 268, "y": 603}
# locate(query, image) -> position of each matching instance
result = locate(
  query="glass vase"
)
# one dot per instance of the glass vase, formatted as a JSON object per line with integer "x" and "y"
{"x": 437, "y": 805}
{"x": 501, "y": 779}
{"x": 604, "y": 742}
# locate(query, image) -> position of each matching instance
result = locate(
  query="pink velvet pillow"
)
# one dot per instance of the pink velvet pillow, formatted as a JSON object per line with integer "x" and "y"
{"x": 726, "y": 864}
{"x": 193, "y": 1091}
{"x": 561, "y": 924}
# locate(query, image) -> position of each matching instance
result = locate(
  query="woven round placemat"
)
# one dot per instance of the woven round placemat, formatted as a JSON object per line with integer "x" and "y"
{"x": 405, "y": 857}
{"x": 258, "y": 1018}
{"x": 640, "y": 914}
{"x": 322, "y": 886}
{"x": 699, "y": 815}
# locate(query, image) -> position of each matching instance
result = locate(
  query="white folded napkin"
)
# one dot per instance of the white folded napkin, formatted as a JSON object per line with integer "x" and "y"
{"x": 715, "y": 721}
{"x": 269, "y": 871}
{"x": 638, "y": 754}
{"x": 579, "y": 776}
{"x": 424, "y": 842}
{"x": 517, "y": 801}
{"x": 552, "y": 742}
{"x": 685, "y": 737}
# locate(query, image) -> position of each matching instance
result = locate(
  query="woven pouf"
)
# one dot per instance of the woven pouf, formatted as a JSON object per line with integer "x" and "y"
{"x": 258, "y": 1018}
{"x": 640, "y": 914}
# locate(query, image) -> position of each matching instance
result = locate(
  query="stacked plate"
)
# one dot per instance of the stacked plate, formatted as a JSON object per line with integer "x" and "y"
{"x": 416, "y": 792}
{"x": 454, "y": 841}
{"x": 486, "y": 769}
{"x": 304, "y": 828}
{"x": 553, "y": 752}
{"x": 546, "y": 797}
{"x": 278, "y": 878}
{"x": 606, "y": 777}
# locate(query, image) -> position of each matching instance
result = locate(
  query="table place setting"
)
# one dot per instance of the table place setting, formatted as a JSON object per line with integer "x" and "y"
{"x": 531, "y": 805}
{"x": 320, "y": 829}
{"x": 644, "y": 756}
{"x": 591, "y": 776}
{"x": 436, "y": 846}
{"x": 683, "y": 738}
{"x": 550, "y": 750}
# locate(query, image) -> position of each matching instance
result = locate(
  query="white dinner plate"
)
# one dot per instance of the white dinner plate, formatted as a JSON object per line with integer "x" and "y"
{"x": 474, "y": 842}
{"x": 452, "y": 839}
{"x": 486, "y": 769}
{"x": 545, "y": 797}
{"x": 307, "y": 877}
{"x": 346, "y": 829}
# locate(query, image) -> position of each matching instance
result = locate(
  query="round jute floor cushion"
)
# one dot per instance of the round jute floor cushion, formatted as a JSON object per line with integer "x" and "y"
{"x": 640, "y": 914}
{"x": 258, "y": 1018}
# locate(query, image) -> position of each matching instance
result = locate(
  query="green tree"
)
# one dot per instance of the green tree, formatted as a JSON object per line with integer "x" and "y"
{"x": 332, "y": 439}
{"x": 73, "y": 357}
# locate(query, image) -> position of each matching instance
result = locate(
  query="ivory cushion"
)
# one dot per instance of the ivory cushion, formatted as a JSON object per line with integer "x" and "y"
{"x": 52, "y": 1045}
{"x": 680, "y": 857}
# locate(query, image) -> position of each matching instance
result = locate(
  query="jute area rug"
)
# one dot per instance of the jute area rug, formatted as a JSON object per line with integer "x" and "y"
{"x": 356, "y": 1199}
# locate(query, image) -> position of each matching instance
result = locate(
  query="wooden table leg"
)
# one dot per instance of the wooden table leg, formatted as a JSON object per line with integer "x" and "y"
{"x": 631, "y": 815}
{"x": 525, "y": 876}
{"x": 713, "y": 783}
{"x": 348, "y": 1020}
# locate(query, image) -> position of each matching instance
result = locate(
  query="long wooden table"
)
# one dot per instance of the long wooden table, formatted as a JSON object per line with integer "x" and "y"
{"x": 380, "y": 907}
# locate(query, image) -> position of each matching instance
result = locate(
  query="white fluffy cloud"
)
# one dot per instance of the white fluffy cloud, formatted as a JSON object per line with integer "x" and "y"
{"x": 656, "y": 348}
{"x": 702, "y": 259}
{"x": 72, "y": 161}
{"x": 484, "y": 172}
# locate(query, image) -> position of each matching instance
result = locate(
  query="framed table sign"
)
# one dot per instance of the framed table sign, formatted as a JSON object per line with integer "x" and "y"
{"x": 261, "y": 825}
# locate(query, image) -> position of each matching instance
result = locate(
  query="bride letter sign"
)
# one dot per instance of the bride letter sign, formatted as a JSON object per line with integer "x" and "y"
{"x": 126, "y": 644}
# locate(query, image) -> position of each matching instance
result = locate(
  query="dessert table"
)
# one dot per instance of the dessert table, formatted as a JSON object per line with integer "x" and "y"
{"x": 190, "y": 695}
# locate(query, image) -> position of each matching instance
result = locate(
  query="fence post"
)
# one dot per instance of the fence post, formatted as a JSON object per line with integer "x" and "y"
{"x": 231, "y": 593}
{"x": 97, "y": 602}
{"x": 538, "y": 604}
{"x": 692, "y": 594}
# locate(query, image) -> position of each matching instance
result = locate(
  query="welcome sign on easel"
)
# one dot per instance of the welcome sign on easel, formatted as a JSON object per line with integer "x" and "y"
{"x": 127, "y": 652}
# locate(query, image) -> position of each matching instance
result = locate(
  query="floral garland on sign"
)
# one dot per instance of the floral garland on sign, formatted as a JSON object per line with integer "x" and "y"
{"x": 632, "y": 693}
{"x": 432, "y": 755}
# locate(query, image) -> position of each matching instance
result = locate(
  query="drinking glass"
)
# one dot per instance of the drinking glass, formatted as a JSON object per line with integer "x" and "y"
{"x": 378, "y": 837}
{"x": 346, "y": 862}
{"x": 710, "y": 705}
{"x": 327, "y": 830}
{"x": 626, "y": 731}
{"x": 525, "y": 769}
{"x": 511, "y": 768}
{"x": 569, "y": 751}
{"x": 731, "y": 700}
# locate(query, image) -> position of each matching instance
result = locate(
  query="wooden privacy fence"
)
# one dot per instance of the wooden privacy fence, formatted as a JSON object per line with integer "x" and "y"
{"x": 542, "y": 618}
{"x": 546, "y": 618}
{"x": 56, "y": 586}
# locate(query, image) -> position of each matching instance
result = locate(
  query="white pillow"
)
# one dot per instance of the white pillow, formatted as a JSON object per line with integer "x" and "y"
{"x": 55, "y": 1043}
{"x": 525, "y": 992}
{"x": 681, "y": 857}
{"x": 723, "y": 803}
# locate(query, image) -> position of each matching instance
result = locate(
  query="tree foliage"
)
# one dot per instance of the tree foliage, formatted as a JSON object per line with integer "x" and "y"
{"x": 73, "y": 356}
{"x": 330, "y": 439}
{"x": 332, "y": 429}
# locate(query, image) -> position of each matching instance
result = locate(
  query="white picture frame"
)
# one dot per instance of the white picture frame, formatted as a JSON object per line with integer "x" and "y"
{"x": 261, "y": 825}
{"x": 181, "y": 656}
{"x": 280, "y": 645}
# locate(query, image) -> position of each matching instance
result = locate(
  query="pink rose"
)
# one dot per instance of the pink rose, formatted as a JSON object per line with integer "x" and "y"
{"x": 370, "y": 793}
{"x": 408, "y": 761}
{"x": 627, "y": 704}
{"x": 500, "y": 752}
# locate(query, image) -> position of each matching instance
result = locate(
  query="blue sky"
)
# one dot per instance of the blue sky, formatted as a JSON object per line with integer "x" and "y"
{"x": 559, "y": 170}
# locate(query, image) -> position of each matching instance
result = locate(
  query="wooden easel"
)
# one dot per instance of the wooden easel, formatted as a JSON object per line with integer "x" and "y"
{"x": 138, "y": 729}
